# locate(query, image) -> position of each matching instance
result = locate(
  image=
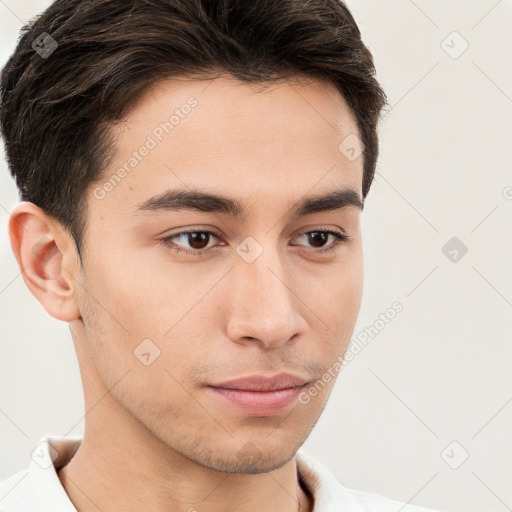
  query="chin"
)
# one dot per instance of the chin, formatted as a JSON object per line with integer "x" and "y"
{"x": 251, "y": 460}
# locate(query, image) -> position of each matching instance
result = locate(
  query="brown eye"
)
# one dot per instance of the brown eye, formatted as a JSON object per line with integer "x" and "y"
{"x": 197, "y": 241}
{"x": 319, "y": 238}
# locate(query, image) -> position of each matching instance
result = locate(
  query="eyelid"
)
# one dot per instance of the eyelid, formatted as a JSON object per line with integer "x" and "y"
{"x": 166, "y": 241}
{"x": 340, "y": 235}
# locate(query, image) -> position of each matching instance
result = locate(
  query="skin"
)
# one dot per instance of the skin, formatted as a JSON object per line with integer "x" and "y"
{"x": 155, "y": 436}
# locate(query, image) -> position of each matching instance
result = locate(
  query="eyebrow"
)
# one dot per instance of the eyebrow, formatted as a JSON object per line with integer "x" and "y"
{"x": 182, "y": 199}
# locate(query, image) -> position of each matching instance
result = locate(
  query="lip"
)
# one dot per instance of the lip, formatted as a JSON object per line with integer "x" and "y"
{"x": 257, "y": 395}
{"x": 262, "y": 383}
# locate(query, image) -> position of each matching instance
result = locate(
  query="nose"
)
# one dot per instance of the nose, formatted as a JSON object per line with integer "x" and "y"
{"x": 264, "y": 304}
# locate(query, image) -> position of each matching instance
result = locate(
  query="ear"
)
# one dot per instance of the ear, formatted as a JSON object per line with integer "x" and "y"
{"x": 47, "y": 257}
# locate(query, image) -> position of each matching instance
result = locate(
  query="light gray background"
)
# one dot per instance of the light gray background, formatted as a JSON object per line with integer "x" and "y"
{"x": 440, "y": 371}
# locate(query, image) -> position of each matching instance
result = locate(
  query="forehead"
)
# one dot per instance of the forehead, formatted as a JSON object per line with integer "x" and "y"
{"x": 300, "y": 95}
{"x": 238, "y": 139}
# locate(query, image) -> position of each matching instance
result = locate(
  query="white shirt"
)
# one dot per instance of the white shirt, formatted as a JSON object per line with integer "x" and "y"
{"x": 38, "y": 488}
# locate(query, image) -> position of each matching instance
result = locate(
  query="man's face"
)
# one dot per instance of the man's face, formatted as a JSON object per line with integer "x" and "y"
{"x": 259, "y": 295}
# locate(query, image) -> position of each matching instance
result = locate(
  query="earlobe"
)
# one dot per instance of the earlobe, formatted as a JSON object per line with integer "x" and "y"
{"x": 39, "y": 248}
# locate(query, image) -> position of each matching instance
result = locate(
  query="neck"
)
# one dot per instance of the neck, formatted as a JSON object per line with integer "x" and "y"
{"x": 112, "y": 477}
{"x": 122, "y": 465}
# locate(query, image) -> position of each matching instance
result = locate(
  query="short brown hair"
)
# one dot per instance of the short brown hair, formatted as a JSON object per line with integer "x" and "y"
{"x": 56, "y": 110}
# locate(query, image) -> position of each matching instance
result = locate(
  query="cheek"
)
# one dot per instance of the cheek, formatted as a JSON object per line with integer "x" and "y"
{"x": 337, "y": 291}
{"x": 145, "y": 319}
{"x": 111, "y": 311}
{"x": 340, "y": 300}
{"x": 142, "y": 370}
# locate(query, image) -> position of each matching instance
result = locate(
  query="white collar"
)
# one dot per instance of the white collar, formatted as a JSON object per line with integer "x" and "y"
{"x": 39, "y": 489}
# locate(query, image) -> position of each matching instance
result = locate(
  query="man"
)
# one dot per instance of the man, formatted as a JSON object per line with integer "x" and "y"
{"x": 192, "y": 175}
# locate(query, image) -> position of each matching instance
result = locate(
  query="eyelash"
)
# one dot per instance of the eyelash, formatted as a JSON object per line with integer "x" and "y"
{"x": 341, "y": 238}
